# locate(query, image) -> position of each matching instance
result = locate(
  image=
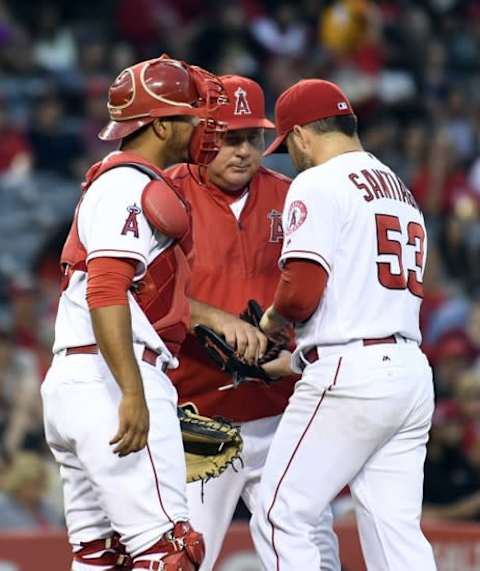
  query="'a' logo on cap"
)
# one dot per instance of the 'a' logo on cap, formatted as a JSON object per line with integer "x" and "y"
{"x": 342, "y": 106}
{"x": 241, "y": 103}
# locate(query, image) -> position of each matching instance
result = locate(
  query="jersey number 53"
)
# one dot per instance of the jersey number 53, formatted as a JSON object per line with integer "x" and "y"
{"x": 390, "y": 241}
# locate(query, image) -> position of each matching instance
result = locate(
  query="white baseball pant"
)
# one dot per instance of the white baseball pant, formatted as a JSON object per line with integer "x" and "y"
{"x": 213, "y": 515}
{"x": 360, "y": 417}
{"x": 138, "y": 496}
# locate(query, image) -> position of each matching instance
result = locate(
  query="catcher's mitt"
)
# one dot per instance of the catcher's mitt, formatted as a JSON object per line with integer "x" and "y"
{"x": 253, "y": 315}
{"x": 224, "y": 357}
{"x": 210, "y": 444}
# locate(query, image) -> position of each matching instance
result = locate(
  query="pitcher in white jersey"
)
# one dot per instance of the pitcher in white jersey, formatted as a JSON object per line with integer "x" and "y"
{"x": 352, "y": 267}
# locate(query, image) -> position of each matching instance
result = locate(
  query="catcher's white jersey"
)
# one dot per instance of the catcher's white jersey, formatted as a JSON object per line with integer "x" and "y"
{"x": 111, "y": 224}
{"x": 151, "y": 482}
{"x": 356, "y": 218}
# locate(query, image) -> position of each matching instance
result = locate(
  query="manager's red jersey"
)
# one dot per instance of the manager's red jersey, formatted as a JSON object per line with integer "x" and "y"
{"x": 235, "y": 260}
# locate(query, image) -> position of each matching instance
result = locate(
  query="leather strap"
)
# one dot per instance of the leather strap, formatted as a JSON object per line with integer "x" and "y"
{"x": 148, "y": 356}
{"x": 82, "y": 350}
{"x": 379, "y": 341}
{"x": 113, "y": 553}
{"x": 312, "y": 354}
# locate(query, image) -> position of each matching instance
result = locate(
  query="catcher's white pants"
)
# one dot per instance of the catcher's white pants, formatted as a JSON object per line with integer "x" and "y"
{"x": 213, "y": 515}
{"x": 369, "y": 430}
{"x": 139, "y": 496}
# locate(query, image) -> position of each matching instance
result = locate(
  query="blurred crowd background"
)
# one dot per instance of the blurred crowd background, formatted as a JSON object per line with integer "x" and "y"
{"x": 411, "y": 69}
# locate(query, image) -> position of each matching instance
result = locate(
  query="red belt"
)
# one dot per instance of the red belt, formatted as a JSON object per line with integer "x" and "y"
{"x": 148, "y": 356}
{"x": 312, "y": 354}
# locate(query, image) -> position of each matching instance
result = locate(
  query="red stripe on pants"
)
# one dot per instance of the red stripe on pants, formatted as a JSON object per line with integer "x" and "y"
{"x": 291, "y": 460}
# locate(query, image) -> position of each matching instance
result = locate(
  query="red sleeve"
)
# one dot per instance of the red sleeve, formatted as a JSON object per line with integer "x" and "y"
{"x": 300, "y": 289}
{"x": 108, "y": 281}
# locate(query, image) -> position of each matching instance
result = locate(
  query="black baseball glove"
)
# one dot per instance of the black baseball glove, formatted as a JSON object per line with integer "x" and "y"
{"x": 253, "y": 315}
{"x": 225, "y": 358}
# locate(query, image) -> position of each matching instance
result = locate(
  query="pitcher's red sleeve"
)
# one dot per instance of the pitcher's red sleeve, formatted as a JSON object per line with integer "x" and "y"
{"x": 108, "y": 281}
{"x": 300, "y": 289}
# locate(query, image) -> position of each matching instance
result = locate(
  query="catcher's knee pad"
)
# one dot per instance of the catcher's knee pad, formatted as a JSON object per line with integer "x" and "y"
{"x": 103, "y": 552}
{"x": 181, "y": 549}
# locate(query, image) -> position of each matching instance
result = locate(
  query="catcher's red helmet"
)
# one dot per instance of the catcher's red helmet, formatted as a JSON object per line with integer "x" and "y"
{"x": 165, "y": 87}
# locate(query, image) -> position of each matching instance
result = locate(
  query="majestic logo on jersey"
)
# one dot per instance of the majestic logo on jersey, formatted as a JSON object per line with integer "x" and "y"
{"x": 296, "y": 216}
{"x": 276, "y": 230}
{"x": 242, "y": 106}
{"x": 131, "y": 223}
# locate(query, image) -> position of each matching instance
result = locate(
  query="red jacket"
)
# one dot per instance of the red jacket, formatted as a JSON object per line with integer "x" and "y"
{"x": 235, "y": 260}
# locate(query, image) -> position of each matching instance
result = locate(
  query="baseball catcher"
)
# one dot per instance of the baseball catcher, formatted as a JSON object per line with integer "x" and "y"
{"x": 122, "y": 316}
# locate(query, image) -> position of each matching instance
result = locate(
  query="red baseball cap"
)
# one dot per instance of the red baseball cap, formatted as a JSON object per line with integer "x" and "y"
{"x": 246, "y": 104}
{"x": 307, "y": 101}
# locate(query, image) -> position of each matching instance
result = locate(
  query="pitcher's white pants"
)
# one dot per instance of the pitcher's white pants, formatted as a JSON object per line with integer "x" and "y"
{"x": 213, "y": 515}
{"x": 138, "y": 496}
{"x": 362, "y": 418}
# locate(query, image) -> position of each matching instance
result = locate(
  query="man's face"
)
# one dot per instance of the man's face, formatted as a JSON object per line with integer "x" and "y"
{"x": 177, "y": 147}
{"x": 238, "y": 159}
{"x": 300, "y": 159}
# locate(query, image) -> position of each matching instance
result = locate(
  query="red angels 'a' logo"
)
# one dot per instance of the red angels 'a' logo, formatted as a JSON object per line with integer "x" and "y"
{"x": 131, "y": 223}
{"x": 242, "y": 106}
{"x": 276, "y": 230}
{"x": 297, "y": 213}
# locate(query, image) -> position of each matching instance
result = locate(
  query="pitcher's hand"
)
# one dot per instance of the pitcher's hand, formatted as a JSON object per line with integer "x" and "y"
{"x": 279, "y": 367}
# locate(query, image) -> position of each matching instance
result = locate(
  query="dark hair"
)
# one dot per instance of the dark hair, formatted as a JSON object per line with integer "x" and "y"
{"x": 346, "y": 124}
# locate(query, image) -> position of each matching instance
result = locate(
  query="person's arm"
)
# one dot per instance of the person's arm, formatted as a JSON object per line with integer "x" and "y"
{"x": 299, "y": 292}
{"x": 108, "y": 284}
{"x": 250, "y": 343}
{"x": 312, "y": 232}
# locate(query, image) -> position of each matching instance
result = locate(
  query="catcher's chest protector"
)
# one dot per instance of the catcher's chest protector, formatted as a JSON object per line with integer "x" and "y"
{"x": 163, "y": 292}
